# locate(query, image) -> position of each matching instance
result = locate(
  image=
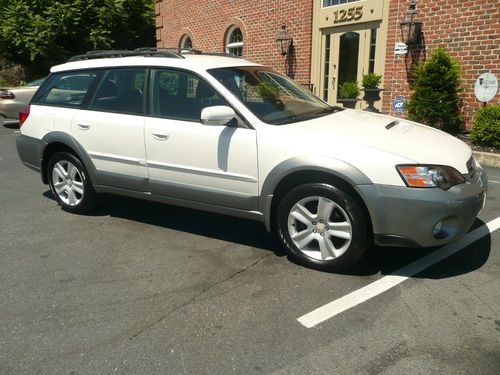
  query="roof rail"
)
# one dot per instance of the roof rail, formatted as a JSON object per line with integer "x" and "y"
{"x": 149, "y": 52}
{"x": 170, "y": 49}
{"x": 146, "y": 51}
{"x": 220, "y": 54}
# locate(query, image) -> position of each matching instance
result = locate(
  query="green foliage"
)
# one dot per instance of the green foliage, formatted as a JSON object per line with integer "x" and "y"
{"x": 12, "y": 76}
{"x": 40, "y": 33}
{"x": 486, "y": 127}
{"x": 268, "y": 89}
{"x": 349, "y": 90}
{"x": 435, "y": 99}
{"x": 371, "y": 81}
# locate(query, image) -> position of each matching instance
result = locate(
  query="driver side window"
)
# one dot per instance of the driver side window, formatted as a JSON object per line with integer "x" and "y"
{"x": 180, "y": 95}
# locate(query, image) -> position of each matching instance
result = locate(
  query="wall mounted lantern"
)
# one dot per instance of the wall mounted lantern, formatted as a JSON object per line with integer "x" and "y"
{"x": 284, "y": 41}
{"x": 411, "y": 30}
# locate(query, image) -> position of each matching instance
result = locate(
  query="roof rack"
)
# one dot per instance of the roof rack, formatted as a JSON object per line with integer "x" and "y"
{"x": 146, "y": 51}
{"x": 186, "y": 51}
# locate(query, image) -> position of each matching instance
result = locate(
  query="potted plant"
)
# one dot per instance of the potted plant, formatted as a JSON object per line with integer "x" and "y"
{"x": 371, "y": 83}
{"x": 348, "y": 94}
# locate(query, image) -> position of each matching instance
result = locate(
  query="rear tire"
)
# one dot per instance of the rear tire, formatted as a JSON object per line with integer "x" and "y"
{"x": 323, "y": 227}
{"x": 69, "y": 183}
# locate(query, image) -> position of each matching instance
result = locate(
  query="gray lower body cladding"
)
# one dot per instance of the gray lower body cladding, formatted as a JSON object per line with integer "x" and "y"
{"x": 29, "y": 150}
{"x": 400, "y": 216}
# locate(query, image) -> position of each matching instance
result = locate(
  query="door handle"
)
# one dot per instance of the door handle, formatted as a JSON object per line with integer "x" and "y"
{"x": 160, "y": 136}
{"x": 83, "y": 126}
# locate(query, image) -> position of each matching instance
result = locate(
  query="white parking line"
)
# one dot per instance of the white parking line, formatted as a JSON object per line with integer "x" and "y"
{"x": 344, "y": 303}
{"x": 493, "y": 181}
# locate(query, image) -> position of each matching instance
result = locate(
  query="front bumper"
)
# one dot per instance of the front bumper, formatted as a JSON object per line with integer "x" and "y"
{"x": 403, "y": 216}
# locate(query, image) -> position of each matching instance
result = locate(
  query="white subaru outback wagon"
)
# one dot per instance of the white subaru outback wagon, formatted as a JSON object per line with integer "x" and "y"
{"x": 223, "y": 134}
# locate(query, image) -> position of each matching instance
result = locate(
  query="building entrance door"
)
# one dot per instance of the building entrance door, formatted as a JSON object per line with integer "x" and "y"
{"x": 349, "y": 52}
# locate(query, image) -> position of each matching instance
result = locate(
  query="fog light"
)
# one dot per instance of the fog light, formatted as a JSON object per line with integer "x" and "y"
{"x": 446, "y": 228}
{"x": 437, "y": 228}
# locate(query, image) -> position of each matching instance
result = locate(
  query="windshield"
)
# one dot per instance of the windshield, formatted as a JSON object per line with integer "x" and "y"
{"x": 272, "y": 97}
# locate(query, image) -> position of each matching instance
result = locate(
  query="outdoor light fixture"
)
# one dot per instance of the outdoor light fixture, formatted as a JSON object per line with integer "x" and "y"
{"x": 411, "y": 30}
{"x": 284, "y": 41}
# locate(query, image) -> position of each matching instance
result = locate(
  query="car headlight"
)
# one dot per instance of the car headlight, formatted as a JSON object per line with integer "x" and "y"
{"x": 429, "y": 176}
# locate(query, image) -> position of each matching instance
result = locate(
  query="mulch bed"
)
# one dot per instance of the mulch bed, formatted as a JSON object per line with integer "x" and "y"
{"x": 465, "y": 138}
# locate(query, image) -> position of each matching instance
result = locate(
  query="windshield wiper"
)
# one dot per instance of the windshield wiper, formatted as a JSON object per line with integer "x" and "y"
{"x": 331, "y": 109}
{"x": 309, "y": 115}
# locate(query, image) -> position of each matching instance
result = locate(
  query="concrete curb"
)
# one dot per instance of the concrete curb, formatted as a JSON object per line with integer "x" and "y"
{"x": 487, "y": 159}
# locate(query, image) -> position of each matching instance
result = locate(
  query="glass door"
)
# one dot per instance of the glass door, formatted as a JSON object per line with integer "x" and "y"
{"x": 348, "y": 54}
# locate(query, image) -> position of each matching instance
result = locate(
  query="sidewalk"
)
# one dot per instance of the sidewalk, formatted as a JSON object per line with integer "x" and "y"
{"x": 487, "y": 159}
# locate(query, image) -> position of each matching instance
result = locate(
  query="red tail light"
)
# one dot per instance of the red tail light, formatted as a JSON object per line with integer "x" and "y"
{"x": 6, "y": 94}
{"x": 23, "y": 114}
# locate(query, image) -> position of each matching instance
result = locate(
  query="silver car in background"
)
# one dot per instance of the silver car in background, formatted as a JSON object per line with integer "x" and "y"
{"x": 13, "y": 99}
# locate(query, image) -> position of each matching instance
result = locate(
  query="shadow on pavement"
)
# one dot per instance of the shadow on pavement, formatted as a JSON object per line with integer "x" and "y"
{"x": 221, "y": 227}
{"x": 378, "y": 260}
{"x": 387, "y": 260}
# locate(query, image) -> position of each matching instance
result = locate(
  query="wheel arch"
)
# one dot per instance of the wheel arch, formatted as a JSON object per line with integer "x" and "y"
{"x": 303, "y": 170}
{"x": 60, "y": 141}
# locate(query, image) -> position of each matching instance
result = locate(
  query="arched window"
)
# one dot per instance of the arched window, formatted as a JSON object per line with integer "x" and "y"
{"x": 186, "y": 42}
{"x": 234, "y": 41}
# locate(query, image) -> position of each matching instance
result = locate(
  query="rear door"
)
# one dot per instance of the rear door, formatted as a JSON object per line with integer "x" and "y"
{"x": 111, "y": 130}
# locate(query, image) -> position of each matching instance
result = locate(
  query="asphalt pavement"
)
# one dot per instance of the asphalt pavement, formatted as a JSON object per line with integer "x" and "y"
{"x": 145, "y": 288}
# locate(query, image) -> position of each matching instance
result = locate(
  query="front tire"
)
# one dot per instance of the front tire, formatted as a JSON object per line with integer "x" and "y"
{"x": 70, "y": 184}
{"x": 323, "y": 227}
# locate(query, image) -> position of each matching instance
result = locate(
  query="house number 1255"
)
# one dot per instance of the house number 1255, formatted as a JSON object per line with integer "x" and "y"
{"x": 346, "y": 15}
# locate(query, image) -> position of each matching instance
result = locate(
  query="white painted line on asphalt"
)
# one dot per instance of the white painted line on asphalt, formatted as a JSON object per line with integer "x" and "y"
{"x": 495, "y": 182}
{"x": 350, "y": 300}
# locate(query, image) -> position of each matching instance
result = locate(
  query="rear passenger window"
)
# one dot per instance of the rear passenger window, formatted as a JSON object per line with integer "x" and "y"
{"x": 65, "y": 89}
{"x": 181, "y": 95}
{"x": 122, "y": 91}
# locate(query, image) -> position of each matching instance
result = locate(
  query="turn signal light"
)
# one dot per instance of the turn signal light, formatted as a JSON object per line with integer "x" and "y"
{"x": 429, "y": 176}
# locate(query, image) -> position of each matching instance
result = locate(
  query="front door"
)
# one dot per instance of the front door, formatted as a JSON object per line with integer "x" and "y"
{"x": 190, "y": 161}
{"x": 349, "y": 52}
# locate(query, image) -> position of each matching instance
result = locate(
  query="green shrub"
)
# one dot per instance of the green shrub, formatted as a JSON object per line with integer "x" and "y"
{"x": 371, "y": 81}
{"x": 486, "y": 127}
{"x": 11, "y": 75}
{"x": 435, "y": 99}
{"x": 349, "y": 90}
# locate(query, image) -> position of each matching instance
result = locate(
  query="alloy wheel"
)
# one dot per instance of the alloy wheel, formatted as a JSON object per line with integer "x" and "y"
{"x": 68, "y": 183}
{"x": 319, "y": 228}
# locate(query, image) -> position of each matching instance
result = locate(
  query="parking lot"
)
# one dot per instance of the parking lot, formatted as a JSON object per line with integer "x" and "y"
{"x": 139, "y": 287}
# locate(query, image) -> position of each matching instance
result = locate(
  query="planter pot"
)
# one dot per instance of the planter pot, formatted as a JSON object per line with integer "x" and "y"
{"x": 348, "y": 103}
{"x": 371, "y": 96}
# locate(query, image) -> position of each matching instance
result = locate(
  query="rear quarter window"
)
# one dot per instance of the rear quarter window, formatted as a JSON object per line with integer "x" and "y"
{"x": 65, "y": 89}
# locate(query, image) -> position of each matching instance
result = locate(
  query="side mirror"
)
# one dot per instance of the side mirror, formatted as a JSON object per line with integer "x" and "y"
{"x": 217, "y": 115}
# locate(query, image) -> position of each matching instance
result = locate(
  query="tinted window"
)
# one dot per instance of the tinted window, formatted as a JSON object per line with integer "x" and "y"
{"x": 66, "y": 89}
{"x": 272, "y": 97}
{"x": 181, "y": 95}
{"x": 121, "y": 90}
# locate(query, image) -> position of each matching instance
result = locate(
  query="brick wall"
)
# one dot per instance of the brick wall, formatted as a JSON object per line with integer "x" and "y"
{"x": 207, "y": 22}
{"x": 468, "y": 30}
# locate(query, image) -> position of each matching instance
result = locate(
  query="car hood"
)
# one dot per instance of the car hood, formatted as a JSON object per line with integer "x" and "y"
{"x": 410, "y": 140}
